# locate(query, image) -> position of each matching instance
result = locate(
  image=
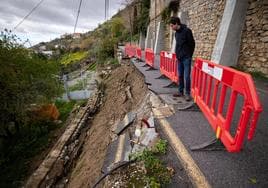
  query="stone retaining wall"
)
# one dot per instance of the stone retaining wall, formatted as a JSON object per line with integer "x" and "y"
{"x": 254, "y": 43}
{"x": 204, "y": 18}
{"x": 60, "y": 159}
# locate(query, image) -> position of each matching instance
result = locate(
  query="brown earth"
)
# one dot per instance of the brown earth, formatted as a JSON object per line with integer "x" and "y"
{"x": 125, "y": 89}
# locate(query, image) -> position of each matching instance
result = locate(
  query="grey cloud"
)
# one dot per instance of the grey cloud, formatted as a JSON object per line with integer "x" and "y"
{"x": 53, "y": 16}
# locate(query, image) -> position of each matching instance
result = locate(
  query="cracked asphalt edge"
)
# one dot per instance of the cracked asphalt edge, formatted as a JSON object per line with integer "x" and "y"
{"x": 196, "y": 176}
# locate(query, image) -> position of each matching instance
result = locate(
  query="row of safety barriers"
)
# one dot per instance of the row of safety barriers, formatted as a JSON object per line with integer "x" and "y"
{"x": 134, "y": 51}
{"x": 210, "y": 83}
{"x": 216, "y": 90}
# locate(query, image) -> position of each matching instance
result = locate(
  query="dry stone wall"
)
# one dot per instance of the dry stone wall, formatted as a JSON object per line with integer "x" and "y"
{"x": 156, "y": 8}
{"x": 254, "y": 44}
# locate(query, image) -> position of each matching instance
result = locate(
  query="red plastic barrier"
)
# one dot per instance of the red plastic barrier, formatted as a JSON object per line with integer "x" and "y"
{"x": 130, "y": 50}
{"x": 149, "y": 57}
{"x": 210, "y": 83}
{"x": 138, "y": 53}
{"x": 169, "y": 66}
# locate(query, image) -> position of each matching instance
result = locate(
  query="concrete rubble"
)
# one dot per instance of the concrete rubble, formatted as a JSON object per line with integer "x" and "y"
{"x": 136, "y": 131}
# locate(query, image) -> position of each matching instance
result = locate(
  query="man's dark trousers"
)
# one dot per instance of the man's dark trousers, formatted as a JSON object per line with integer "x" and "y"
{"x": 184, "y": 70}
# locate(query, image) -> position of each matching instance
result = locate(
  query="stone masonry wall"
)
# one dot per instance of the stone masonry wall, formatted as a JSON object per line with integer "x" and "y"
{"x": 254, "y": 44}
{"x": 156, "y": 7}
{"x": 204, "y": 17}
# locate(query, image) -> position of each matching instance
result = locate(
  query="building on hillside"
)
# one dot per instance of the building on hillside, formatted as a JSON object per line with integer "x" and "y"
{"x": 76, "y": 35}
{"x": 42, "y": 48}
{"x": 48, "y": 53}
{"x": 229, "y": 32}
{"x": 64, "y": 35}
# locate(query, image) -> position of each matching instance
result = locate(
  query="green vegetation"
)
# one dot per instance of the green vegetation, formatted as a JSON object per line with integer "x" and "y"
{"x": 172, "y": 7}
{"x": 73, "y": 57}
{"x": 27, "y": 80}
{"x": 64, "y": 108}
{"x": 78, "y": 86}
{"x": 259, "y": 76}
{"x": 142, "y": 20}
{"x": 255, "y": 74}
{"x": 92, "y": 66}
{"x": 106, "y": 37}
{"x": 157, "y": 175}
{"x": 17, "y": 152}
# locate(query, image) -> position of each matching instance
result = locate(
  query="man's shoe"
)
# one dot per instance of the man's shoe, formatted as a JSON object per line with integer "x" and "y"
{"x": 178, "y": 95}
{"x": 188, "y": 98}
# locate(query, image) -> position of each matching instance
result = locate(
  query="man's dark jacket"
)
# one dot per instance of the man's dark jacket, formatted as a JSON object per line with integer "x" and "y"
{"x": 185, "y": 43}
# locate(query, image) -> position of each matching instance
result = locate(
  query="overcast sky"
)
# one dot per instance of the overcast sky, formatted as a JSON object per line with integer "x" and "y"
{"x": 53, "y": 18}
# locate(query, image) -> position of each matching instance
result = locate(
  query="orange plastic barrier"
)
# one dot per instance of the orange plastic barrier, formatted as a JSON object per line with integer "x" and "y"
{"x": 138, "y": 53}
{"x": 210, "y": 83}
{"x": 169, "y": 66}
{"x": 149, "y": 57}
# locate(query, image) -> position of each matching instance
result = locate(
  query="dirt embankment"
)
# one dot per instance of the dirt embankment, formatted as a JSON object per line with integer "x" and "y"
{"x": 125, "y": 88}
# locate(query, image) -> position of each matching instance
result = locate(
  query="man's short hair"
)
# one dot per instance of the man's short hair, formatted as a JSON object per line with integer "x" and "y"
{"x": 175, "y": 20}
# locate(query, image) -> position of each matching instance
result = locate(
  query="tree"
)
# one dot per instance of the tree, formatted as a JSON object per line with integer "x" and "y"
{"x": 25, "y": 79}
{"x": 117, "y": 27}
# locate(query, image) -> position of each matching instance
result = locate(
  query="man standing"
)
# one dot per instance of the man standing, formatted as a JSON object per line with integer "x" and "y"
{"x": 185, "y": 45}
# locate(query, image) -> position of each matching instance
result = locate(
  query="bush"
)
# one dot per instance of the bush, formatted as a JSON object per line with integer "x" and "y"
{"x": 157, "y": 174}
{"x": 25, "y": 79}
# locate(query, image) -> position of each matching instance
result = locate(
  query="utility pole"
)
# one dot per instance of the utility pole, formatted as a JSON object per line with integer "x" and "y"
{"x": 154, "y": 23}
{"x": 107, "y": 7}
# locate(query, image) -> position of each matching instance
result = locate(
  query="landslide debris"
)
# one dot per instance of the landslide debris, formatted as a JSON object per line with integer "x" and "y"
{"x": 124, "y": 89}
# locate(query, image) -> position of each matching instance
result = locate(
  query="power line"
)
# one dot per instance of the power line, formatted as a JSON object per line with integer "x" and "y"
{"x": 25, "y": 17}
{"x": 78, "y": 12}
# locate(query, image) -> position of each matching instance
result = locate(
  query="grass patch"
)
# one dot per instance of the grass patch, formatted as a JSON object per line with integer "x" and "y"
{"x": 73, "y": 57}
{"x": 113, "y": 61}
{"x": 92, "y": 67}
{"x": 255, "y": 74}
{"x": 259, "y": 76}
{"x": 78, "y": 86}
{"x": 64, "y": 108}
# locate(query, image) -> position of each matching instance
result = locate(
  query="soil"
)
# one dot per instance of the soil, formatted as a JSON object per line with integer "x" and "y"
{"x": 125, "y": 89}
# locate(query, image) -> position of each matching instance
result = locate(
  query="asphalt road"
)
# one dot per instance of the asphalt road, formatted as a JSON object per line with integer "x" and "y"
{"x": 248, "y": 168}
